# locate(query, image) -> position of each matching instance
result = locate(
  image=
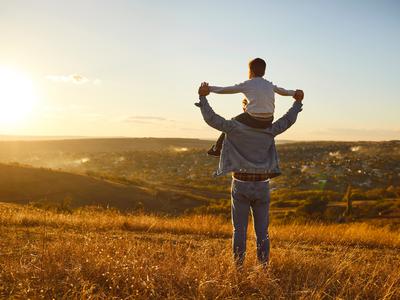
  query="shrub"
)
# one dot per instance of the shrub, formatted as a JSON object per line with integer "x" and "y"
{"x": 381, "y": 209}
{"x": 314, "y": 207}
{"x": 334, "y": 213}
{"x": 287, "y": 194}
{"x": 283, "y": 204}
{"x": 62, "y": 206}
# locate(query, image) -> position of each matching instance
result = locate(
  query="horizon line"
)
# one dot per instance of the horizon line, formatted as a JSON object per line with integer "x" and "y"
{"x": 9, "y": 137}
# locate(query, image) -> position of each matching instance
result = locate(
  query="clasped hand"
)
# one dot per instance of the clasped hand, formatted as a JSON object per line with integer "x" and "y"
{"x": 204, "y": 89}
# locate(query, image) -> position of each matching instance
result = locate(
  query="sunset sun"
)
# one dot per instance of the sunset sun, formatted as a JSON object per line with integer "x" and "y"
{"x": 17, "y": 96}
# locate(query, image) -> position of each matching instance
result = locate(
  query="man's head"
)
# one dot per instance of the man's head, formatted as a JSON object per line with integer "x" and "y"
{"x": 257, "y": 68}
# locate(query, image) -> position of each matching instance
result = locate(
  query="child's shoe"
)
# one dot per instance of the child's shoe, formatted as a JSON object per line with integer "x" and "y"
{"x": 214, "y": 152}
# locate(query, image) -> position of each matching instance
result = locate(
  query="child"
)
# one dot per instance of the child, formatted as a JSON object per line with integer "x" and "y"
{"x": 260, "y": 93}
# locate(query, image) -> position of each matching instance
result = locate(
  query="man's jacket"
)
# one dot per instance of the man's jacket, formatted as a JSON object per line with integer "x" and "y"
{"x": 246, "y": 149}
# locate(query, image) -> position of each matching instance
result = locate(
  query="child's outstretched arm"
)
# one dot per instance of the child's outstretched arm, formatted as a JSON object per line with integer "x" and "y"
{"x": 234, "y": 89}
{"x": 283, "y": 92}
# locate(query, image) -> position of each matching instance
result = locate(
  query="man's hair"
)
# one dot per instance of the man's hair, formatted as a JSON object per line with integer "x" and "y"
{"x": 257, "y": 67}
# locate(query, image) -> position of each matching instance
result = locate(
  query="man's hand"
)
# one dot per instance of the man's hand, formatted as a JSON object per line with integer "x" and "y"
{"x": 204, "y": 89}
{"x": 299, "y": 95}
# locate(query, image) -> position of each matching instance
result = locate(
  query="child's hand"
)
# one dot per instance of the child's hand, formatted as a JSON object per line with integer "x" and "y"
{"x": 204, "y": 89}
{"x": 299, "y": 95}
{"x": 244, "y": 103}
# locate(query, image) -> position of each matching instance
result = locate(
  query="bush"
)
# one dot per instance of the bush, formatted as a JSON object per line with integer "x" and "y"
{"x": 334, "y": 213}
{"x": 374, "y": 194}
{"x": 381, "y": 209}
{"x": 284, "y": 204}
{"x": 62, "y": 206}
{"x": 287, "y": 194}
{"x": 314, "y": 207}
{"x": 357, "y": 195}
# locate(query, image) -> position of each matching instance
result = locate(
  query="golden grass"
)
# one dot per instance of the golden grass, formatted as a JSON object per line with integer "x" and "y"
{"x": 107, "y": 255}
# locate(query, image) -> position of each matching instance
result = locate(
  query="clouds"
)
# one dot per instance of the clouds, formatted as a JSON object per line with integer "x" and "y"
{"x": 147, "y": 119}
{"x": 73, "y": 78}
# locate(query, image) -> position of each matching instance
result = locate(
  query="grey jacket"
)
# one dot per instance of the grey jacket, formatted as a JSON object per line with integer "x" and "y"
{"x": 246, "y": 149}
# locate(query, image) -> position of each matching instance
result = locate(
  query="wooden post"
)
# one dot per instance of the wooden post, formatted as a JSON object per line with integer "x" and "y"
{"x": 347, "y": 197}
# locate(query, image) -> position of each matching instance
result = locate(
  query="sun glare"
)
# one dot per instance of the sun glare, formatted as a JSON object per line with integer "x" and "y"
{"x": 17, "y": 96}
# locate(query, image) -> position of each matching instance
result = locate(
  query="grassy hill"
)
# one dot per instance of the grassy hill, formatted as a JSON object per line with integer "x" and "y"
{"x": 175, "y": 174}
{"x": 17, "y": 147}
{"x": 21, "y": 184}
{"x": 106, "y": 255}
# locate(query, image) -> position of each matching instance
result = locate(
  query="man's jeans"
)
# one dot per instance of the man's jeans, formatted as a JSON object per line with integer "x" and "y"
{"x": 254, "y": 195}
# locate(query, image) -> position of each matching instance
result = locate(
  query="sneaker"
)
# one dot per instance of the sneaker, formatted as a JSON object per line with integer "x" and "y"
{"x": 214, "y": 152}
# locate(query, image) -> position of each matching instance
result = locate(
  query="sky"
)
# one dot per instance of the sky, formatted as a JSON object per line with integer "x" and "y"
{"x": 132, "y": 68}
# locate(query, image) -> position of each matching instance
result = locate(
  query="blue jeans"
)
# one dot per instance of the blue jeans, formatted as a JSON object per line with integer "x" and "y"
{"x": 252, "y": 195}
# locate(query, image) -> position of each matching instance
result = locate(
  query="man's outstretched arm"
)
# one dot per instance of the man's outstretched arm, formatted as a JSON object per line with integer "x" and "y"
{"x": 213, "y": 119}
{"x": 288, "y": 119}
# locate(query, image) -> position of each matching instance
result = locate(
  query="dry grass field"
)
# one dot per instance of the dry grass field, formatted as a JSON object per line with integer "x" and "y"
{"x": 99, "y": 254}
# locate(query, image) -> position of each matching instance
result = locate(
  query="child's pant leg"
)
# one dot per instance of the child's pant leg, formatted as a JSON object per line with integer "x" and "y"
{"x": 220, "y": 141}
{"x": 248, "y": 120}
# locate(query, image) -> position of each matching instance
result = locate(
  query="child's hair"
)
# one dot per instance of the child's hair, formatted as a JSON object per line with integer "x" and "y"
{"x": 257, "y": 67}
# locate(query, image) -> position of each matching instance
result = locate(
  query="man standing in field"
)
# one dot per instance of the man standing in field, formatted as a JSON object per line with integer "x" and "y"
{"x": 250, "y": 154}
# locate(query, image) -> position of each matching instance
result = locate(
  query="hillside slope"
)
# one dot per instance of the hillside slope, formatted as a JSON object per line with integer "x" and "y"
{"x": 25, "y": 184}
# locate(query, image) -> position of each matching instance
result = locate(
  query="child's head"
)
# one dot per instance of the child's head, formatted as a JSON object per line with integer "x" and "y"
{"x": 257, "y": 68}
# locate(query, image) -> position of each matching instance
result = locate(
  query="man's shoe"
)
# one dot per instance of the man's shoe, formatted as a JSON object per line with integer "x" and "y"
{"x": 214, "y": 152}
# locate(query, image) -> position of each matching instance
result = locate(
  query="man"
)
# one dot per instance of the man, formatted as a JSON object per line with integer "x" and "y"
{"x": 250, "y": 154}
